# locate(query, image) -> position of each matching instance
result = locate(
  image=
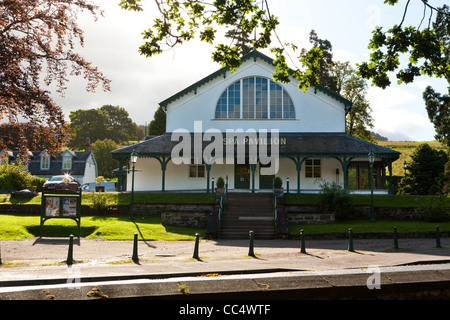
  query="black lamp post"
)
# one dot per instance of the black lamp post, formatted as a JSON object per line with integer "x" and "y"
{"x": 133, "y": 158}
{"x": 371, "y": 156}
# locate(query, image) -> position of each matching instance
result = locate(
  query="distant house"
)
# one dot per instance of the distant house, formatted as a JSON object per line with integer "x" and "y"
{"x": 81, "y": 165}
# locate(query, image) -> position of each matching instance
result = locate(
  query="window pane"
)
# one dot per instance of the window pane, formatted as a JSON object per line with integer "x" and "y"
{"x": 221, "y": 109}
{"x": 308, "y": 172}
{"x": 317, "y": 172}
{"x": 66, "y": 162}
{"x": 276, "y": 106}
{"x": 288, "y": 106}
{"x": 192, "y": 171}
{"x": 201, "y": 171}
{"x": 234, "y": 100}
{"x": 248, "y": 97}
{"x": 261, "y": 98}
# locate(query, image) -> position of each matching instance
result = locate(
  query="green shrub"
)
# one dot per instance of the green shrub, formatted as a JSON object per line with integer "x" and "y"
{"x": 100, "y": 201}
{"x": 278, "y": 183}
{"x": 333, "y": 197}
{"x": 5, "y": 181}
{"x": 15, "y": 177}
{"x": 434, "y": 209}
{"x": 38, "y": 183}
{"x": 220, "y": 182}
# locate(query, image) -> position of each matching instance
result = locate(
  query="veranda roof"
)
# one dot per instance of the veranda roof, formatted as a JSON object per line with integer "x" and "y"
{"x": 330, "y": 145}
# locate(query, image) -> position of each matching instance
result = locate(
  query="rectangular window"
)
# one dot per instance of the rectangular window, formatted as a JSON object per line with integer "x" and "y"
{"x": 312, "y": 168}
{"x": 197, "y": 171}
{"x": 67, "y": 163}
{"x": 45, "y": 162}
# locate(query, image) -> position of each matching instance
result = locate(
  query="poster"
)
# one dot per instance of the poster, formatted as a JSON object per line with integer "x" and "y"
{"x": 69, "y": 207}
{"x": 52, "y": 207}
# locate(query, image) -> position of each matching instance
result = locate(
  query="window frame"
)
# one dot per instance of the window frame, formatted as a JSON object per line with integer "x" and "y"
{"x": 262, "y": 103}
{"x": 197, "y": 172}
{"x": 313, "y": 169}
{"x": 69, "y": 158}
{"x": 45, "y": 157}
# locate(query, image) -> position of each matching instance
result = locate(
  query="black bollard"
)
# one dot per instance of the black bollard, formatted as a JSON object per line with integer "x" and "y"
{"x": 350, "y": 240}
{"x": 195, "y": 255}
{"x": 438, "y": 238}
{"x": 135, "y": 257}
{"x": 395, "y": 238}
{"x": 302, "y": 241}
{"x": 251, "y": 253}
{"x": 70, "y": 253}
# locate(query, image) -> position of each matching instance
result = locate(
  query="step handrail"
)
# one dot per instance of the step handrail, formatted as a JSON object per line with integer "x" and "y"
{"x": 223, "y": 199}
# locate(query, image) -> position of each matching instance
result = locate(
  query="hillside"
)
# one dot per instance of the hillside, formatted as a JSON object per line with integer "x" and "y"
{"x": 406, "y": 148}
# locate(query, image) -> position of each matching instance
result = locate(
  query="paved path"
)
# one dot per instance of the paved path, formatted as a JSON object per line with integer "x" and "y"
{"x": 44, "y": 258}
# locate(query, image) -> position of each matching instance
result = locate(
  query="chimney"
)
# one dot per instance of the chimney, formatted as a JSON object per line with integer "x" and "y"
{"x": 87, "y": 147}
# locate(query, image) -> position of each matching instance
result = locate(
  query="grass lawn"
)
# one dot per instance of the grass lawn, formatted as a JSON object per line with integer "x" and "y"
{"x": 366, "y": 226}
{"x": 110, "y": 228}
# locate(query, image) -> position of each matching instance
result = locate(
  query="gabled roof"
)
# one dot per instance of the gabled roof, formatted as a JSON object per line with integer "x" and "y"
{"x": 255, "y": 54}
{"x": 34, "y": 166}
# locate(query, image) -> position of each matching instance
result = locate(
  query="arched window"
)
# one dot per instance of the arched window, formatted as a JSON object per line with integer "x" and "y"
{"x": 255, "y": 98}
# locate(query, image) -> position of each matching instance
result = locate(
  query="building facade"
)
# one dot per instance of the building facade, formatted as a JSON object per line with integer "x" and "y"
{"x": 246, "y": 128}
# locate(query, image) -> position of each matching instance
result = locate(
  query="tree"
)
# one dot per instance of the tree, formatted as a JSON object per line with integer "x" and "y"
{"x": 359, "y": 120}
{"x": 118, "y": 124}
{"x": 105, "y": 162}
{"x": 438, "y": 109}
{"x": 326, "y": 63}
{"x": 37, "y": 39}
{"x": 87, "y": 124}
{"x": 158, "y": 125}
{"x": 107, "y": 122}
{"x": 425, "y": 172}
{"x": 180, "y": 21}
{"x": 425, "y": 50}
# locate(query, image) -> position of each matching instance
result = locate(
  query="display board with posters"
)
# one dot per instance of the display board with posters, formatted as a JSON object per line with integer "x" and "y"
{"x": 61, "y": 204}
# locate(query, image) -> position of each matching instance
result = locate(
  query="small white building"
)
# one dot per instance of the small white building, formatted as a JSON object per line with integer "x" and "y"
{"x": 304, "y": 131}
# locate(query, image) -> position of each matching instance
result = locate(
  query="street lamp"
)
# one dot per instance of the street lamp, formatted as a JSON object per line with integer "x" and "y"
{"x": 371, "y": 157}
{"x": 133, "y": 158}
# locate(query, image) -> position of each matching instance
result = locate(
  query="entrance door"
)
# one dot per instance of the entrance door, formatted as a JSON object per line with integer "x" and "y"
{"x": 265, "y": 182}
{"x": 242, "y": 176}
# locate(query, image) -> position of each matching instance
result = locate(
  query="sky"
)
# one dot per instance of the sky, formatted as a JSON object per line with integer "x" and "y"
{"x": 140, "y": 83}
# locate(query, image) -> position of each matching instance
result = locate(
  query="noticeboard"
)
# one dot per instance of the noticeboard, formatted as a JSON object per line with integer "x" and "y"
{"x": 61, "y": 204}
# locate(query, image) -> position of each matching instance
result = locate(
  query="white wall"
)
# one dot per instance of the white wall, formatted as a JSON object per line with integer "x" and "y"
{"x": 149, "y": 176}
{"x": 315, "y": 112}
{"x": 90, "y": 170}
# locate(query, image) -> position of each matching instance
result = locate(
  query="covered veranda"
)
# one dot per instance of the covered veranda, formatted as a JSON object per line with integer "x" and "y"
{"x": 339, "y": 155}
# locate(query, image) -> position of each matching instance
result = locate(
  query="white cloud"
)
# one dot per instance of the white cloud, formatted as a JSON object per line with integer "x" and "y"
{"x": 389, "y": 97}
